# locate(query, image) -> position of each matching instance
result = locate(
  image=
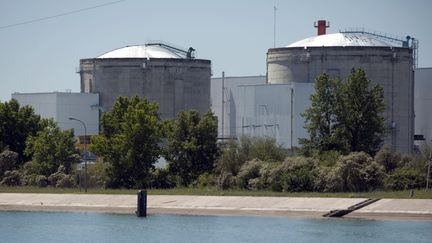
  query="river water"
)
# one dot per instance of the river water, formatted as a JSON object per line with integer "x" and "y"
{"x": 100, "y": 227}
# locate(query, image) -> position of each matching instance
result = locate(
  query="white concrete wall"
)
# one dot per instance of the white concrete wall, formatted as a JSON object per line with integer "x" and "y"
{"x": 273, "y": 110}
{"x": 60, "y": 106}
{"x": 230, "y": 97}
{"x": 423, "y": 102}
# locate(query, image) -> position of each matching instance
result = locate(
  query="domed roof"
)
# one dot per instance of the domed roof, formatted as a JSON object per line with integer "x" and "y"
{"x": 141, "y": 51}
{"x": 340, "y": 39}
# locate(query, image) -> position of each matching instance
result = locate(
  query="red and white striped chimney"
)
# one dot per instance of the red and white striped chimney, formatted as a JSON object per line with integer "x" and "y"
{"x": 322, "y": 26}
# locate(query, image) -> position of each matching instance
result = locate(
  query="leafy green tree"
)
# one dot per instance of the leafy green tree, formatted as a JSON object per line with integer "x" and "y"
{"x": 129, "y": 142}
{"x": 362, "y": 124}
{"x": 345, "y": 116}
{"x": 322, "y": 121}
{"x": 191, "y": 145}
{"x": 16, "y": 124}
{"x": 51, "y": 148}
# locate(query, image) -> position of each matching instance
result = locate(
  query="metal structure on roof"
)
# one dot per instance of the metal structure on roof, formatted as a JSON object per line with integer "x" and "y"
{"x": 409, "y": 41}
{"x": 151, "y": 50}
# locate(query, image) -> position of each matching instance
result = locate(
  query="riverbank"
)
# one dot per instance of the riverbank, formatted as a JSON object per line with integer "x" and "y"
{"x": 413, "y": 209}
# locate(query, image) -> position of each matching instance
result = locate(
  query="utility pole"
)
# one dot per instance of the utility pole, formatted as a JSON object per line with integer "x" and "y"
{"x": 429, "y": 168}
{"x": 223, "y": 107}
{"x": 85, "y": 151}
{"x": 274, "y": 26}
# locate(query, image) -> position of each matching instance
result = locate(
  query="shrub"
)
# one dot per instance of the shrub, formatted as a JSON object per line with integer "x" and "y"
{"x": 41, "y": 181}
{"x": 388, "y": 158}
{"x": 11, "y": 178}
{"x": 97, "y": 174}
{"x": 226, "y": 181}
{"x": 8, "y": 161}
{"x": 328, "y": 158}
{"x": 294, "y": 175}
{"x": 356, "y": 172}
{"x": 60, "y": 179}
{"x": 249, "y": 170}
{"x": 205, "y": 180}
{"x": 65, "y": 181}
{"x": 162, "y": 179}
{"x": 403, "y": 179}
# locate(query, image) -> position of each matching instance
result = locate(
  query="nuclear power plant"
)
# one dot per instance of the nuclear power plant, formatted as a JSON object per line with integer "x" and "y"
{"x": 266, "y": 110}
{"x": 170, "y": 76}
{"x": 269, "y": 105}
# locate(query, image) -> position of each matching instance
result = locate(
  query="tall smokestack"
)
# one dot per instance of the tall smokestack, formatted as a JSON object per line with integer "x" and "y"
{"x": 322, "y": 26}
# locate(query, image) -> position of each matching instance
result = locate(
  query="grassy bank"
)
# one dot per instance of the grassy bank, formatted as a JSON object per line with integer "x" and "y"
{"x": 419, "y": 194}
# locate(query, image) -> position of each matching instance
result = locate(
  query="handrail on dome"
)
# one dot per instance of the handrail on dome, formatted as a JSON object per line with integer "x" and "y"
{"x": 189, "y": 54}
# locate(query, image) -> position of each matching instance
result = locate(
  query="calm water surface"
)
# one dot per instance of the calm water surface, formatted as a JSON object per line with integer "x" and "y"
{"x": 98, "y": 227}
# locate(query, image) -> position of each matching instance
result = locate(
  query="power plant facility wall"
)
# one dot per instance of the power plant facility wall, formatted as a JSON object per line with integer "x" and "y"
{"x": 423, "y": 103}
{"x": 62, "y": 105}
{"x": 273, "y": 110}
{"x": 389, "y": 66}
{"x": 176, "y": 84}
{"x": 224, "y": 99}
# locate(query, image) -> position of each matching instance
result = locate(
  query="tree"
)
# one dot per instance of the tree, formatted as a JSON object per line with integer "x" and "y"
{"x": 345, "y": 116}
{"x": 322, "y": 121}
{"x": 191, "y": 145}
{"x": 129, "y": 142}
{"x": 16, "y": 124}
{"x": 362, "y": 124}
{"x": 51, "y": 148}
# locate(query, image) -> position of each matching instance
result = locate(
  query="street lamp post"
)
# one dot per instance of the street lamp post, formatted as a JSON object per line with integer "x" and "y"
{"x": 85, "y": 151}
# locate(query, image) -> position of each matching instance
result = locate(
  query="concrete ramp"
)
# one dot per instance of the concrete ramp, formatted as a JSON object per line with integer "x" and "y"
{"x": 342, "y": 212}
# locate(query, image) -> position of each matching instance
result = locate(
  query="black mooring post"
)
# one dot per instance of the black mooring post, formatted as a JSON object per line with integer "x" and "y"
{"x": 142, "y": 204}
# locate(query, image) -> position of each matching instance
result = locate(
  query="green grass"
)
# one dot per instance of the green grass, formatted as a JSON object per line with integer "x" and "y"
{"x": 212, "y": 191}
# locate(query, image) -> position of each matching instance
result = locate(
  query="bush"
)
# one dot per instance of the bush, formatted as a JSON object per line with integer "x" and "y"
{"x": 328, "y": 158}
{"x": 249, "y": 170}
{"x": 388, "y": 158}
{"x": 41, "y": 181}
{"x": 8, "y": 161}
{"x": 162, "y": 179}
{"x": 65, "y": 181}
{"x": 355, "y": 172}
{"x": 97, "y": 174}
{"x": 294, "y": 175}
{"x": 11, "y": 178}
{"x": 229, "y": 161}
{"x": 60, "y": 179}
{"x": 403, "y": 179}
{"x": 205, "y": 180}
{"x": 226, "y": 181}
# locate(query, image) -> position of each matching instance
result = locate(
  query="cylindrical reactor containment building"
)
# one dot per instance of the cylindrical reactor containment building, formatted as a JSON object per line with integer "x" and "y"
{"x": 389, "y": 65}
{"x": 163, "y": 74}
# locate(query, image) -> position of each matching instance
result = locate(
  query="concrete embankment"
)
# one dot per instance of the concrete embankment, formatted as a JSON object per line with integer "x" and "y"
{"x": 217, "y": 205}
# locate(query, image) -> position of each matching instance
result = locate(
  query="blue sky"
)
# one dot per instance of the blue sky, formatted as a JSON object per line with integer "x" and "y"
{"x": 234, "y": 35}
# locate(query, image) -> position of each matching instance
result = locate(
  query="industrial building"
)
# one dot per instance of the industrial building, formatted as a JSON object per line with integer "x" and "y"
{"x": 224, "y": 101}
{"x": 423, "y": 104}
{"x": 275, "y": 111}
{"x": 170, "y": 76}
{"x": 60, "y": 106}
